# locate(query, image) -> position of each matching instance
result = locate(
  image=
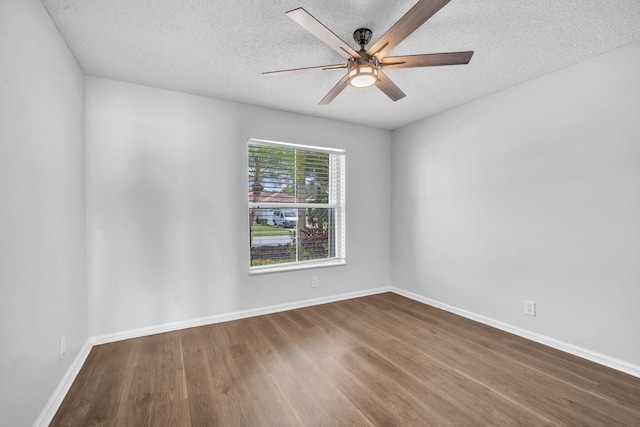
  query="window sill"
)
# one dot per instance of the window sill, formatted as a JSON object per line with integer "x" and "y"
{"x": 296, "y": 266}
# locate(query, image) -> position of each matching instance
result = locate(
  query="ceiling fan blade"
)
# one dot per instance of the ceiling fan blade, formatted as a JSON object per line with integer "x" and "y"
{"x": 389, "y": 87}
{"x": 414, "y": 18}
{"x": 315, "y": 27}
{"x": 427, "y": 60}
{"x": 303, "y": 70}
{"x": 339, "y": 87}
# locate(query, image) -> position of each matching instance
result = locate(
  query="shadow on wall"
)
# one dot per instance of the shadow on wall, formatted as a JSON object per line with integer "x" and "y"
{"x": 166, "y": 254}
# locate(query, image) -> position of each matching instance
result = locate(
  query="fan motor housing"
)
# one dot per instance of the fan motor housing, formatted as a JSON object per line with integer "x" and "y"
{"x": 362, "y": 36}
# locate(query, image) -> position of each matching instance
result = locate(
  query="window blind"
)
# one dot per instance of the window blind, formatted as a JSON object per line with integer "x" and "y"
{"x": 296, "y": 201}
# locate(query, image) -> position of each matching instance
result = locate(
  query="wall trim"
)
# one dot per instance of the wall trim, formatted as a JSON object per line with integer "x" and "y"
{"x": 219, "y": 318}
{"x": 602, "y": 359}
{"x": 52, "y": 406}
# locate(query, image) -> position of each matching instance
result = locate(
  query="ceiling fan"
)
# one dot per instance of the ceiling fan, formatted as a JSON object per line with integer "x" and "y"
{"x": 365, "y": 67}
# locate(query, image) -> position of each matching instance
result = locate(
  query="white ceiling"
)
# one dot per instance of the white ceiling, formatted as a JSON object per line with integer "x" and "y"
{"x": 219, "y": 48}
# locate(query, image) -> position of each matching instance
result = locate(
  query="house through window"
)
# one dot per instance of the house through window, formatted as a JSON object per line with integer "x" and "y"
{"x": 296, "y": 206}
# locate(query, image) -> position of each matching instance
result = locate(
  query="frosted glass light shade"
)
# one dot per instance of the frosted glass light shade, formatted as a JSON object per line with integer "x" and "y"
{"x": 363, "y": 76}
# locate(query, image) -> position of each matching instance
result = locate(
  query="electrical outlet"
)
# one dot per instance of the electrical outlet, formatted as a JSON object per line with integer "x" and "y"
{"x": 314, "y": 282}
{"x": 530, "y": 308}
{"x": 63, "y": 347}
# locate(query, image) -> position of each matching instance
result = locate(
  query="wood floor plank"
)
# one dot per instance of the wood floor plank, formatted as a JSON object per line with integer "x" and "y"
{"x": 548, "y": 395}
{"x": 78, "y": 400}
{"x": 172, "y": 414}
{"x": 310, "y": 390}
{"x": 381, "y": 412}
{"x": 426, "y": 404}
{"x": 210, "y": 394}
{"x": 603, "y": 382}
{"x": 489, "y": 408}
{"x": 371, "y": 361}
{"x": 171, "y": 385}
{"x": 262, "y": 401}
{"x": 140, "y": 379}
{"x": 110, "y": 383}
{"x": 608, "y": 384}
{"x": 523, "y": 383}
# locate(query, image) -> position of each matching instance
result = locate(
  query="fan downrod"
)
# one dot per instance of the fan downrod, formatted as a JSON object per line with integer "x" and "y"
{"x": 362, "y": 36}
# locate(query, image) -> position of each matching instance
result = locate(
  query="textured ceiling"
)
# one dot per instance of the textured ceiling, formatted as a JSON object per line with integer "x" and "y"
{"x": 219, "y": 48}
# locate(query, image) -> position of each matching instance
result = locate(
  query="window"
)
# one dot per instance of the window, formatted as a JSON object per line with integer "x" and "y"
{"x": 296, "y": 206}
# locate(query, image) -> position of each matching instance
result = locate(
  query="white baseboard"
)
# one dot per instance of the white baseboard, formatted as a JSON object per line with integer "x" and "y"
{"x": 50, "y": 409}
{"x": 602, "y": 359}
{"x": 175, "y": 326}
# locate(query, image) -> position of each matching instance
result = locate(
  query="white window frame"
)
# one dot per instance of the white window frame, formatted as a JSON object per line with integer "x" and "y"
{"x": 337, "y": 202}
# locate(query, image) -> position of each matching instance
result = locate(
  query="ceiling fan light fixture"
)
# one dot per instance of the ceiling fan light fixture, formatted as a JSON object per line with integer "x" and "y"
{"x": 363, "y": 75}
{"x": 365, "y": 68}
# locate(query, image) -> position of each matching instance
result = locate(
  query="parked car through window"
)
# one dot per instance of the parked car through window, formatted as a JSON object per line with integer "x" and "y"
{"x": 286, "y": 219}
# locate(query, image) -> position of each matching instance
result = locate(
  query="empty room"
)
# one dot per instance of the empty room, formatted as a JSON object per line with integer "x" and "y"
{"x": 305, "y": 213}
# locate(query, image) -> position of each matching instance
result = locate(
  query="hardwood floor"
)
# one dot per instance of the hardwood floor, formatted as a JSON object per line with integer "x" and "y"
{"x": 382, "y": 360}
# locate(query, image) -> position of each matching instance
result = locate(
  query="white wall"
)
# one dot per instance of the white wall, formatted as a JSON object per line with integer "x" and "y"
{"x": 531, "y": 193}
{"x": 43, "y": 288}
{"x": 167, "y": 207}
